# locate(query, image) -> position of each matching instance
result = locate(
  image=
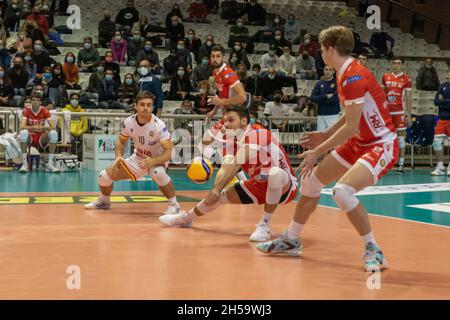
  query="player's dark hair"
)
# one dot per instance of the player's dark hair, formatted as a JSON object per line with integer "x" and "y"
{"x": 218, "y": 47}
{"x": 241, "y": 111}
{"x": 145, "y": 95}
{"x": 398, "y": 58}
{"x": 73, "y": 94}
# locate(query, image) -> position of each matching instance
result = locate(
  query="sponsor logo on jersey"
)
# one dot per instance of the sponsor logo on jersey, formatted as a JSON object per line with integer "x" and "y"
{"x": 382, "y": 163}
{"x": 151, "y": 134}
{"x": 351, "y": 79}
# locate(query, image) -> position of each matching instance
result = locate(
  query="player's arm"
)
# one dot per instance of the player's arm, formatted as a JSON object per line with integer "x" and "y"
{"x": 120, "y": 145}
{"x": 335, "y": 127}
{"x": 349, "y": 127}
{"x": 23, "y": 125}
{"x": 230, "y": 166}
{"x": 237, "y": 99}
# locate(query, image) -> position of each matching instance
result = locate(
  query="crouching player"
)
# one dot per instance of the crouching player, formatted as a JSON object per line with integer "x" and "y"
{"x": 152, "y": 152}
{"x": 261, "y": 156}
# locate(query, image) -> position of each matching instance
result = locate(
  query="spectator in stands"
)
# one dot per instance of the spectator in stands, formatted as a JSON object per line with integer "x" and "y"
{"x": 202, "y": 72}
{"x": 205, "y": 49}
{"x": 442, "y": 130}
{"x": 198, "y": 13}
{"x": 148, "y": 82}
{"x": 212, "y": 6}
{"x": 135, "y": 45}
{"x": 175, "y": 31}
{"x": 23, "y": 42}
{"x": 269, "y": 59}
{"x": 277, "y": 24}
{"x": 19, "y": 80}
{"x": 279, "y": 42}
{"x": 13, "y": 15}
{"x": 71, "y": 73}
{"x": 94, "y": 81}
{"x": 152, "y": 31}
{"x": 308, "y": 45}
{"x": 184, "y": 56}
{"x": 287, "y": 64}
{"x": 427, "y": 77}
{"x": 363, "y": 59}
{"x": 155, "y": 17}
{"x": 306, "y": 66}
{"x": 33, "y": 31}
{"x": 37, "y": 17}
{"x": 170, "y": 63}
{"x": 148, "y": 53}
{"x": 382, "y": 43}
{"x": 292, "y": 29}
{"x": 238, "y": 32}
{"x": 4, "y": 33}
{"x": 230, "y": 10}
{"x": 48, "y": 14}
{"x": 192, "y": 43}
{"x": 363, "y": 5}
{"x": 119, "y": 48}
{"x": 201, "y": 105}
{"x": 110, "y": 64}
{"x": 320, "y": 64}
{"x": 79, "y": 125}
{"x": 174, "y": 12}
{"x": 184, "y": 123}
{"x": 275, "y": 82}
{"x": 241, "y": 71}
{"x": 30, "y": 67}
{"x": 40, "y": 56}
{"x": 88, "y": 57}
{"x": 106, "y": 30}
{"x": 57, "y": 89}
{"x": 256, "y": 14}
{"x": 241, "y": 55}
{"x": 358, "y": 48}
{"x": 325, "y": 96}
{"x": 128, "y": 92}
{"x": 180, "y": 85}
{"x": 253, "y": 85}
{"x": 233, "y": 61}
{"x": 5, "y": 57}
{"x": 108, "y": 92}
{"x": 276, "y": 108}
{"x": 6, "y": 90}
{"x": 126, "y": 18}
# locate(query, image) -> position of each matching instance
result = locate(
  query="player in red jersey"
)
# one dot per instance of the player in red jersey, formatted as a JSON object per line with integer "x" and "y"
{"x": 33, "y": 131}
{"x": 397, "y": 86}
{"x": 272, "y": 180}
{"x": 365, "y": 148}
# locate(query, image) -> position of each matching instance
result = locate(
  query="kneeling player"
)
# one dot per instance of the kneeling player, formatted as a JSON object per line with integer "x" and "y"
{"x": 152, "y": 152}
{"x": 272, "y": 180}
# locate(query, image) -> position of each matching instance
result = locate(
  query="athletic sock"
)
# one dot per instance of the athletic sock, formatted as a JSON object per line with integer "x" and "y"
{"x": 24, "y": 158}
{"x": 401, "y": 162}
{"x": 440, "y": 164}
{"x": 103, "y": 198}
{"x": 295, "y": 229}
{"x": 369, "y": 238}
{"x": 51, "y": 156}
{"x": 173, "y": 202}
{"x": 265, "y": 219}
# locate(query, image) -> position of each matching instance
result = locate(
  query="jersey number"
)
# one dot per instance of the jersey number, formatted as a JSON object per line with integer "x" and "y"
{"x": 141, "y": 139}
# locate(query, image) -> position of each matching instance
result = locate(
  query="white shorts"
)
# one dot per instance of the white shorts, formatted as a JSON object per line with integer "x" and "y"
{"x": 324, "y": 122}
{"x": 132, "y": 167}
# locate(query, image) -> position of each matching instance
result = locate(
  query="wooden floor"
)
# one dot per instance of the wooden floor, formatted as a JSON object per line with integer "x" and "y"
{"x": 126, "y": 254}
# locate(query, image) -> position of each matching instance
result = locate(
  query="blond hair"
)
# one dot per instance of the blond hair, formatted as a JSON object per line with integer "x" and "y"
{"x": 338, "y": 37}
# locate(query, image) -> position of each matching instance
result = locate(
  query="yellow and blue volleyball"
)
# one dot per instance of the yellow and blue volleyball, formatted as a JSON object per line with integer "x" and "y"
{"x": 199, "y": 170}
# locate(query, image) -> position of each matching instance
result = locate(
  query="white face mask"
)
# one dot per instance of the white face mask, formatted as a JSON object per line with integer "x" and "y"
{"x": 143, "y": 71}
{"x": 240, "y": 24}
{"x": 271, "y": 76}
{"x": 202, "y": 91}
{"x": 74, "y": 102}
{"x": 277, "y": 37}
{"x": 307, "y": 41}
{"x": 277, "y": 20}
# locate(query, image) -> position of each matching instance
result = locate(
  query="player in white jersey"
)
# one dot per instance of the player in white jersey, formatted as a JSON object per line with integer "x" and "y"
{"x": 152, "y": 152}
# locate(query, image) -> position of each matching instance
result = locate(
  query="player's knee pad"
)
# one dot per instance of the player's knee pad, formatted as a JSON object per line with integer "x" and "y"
{"x": 278, "y": 178}
{"x": 53, "y": 136}
{"x": 311, "y": 186}
{"x": 24, "y": 135}
{"x": 437, "y": 143}
{"x": 104, "y": 180}
{"x": 160, "y": 176}
{"x": 401, "y": 141}
{"x": 344, "y": 196}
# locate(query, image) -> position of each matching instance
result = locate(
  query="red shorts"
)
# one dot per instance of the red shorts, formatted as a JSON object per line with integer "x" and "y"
{"x": 36, "y": 140}
{"x": 378, "y": 158}
{"x": 442, "y": 128}
{"x": 398, "y": 118}
{"x": 254, "y": 191}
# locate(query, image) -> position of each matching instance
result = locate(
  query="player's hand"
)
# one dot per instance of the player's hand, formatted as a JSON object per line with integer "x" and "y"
{"x": 408, "y": 121}
{"x": 118, "y": 162}
{"x": 310, "y": 158}
{"x": 215, "y": 100}
{"x": 310, "y": 140}
{"x": 212, "y": 198}
{"x": 147, "y": 163}
{"x": 210, "y": 114}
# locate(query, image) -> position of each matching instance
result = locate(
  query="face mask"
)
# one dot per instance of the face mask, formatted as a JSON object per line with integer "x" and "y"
{"x": 14, "y": 6}
{"x": 27, "y": 58}
{"x": 174, "y": 23}
{"x": 277, "y": 37}
{"x": 252, "y": 120}
{"x": 286, "y": 54}
{"x": 39, "y": 92}
{"x": 21, "y": 37}
{"x": 240, "y": 24}
{"x": 209, "y": 43}
{"x": 47, "y": 76}
{"x": 99, "y": 69}
{"x": 277, "y": 20}
{"x": 180, "y": 73}
{"x": 117, "y": 38}
{"x": 108, "y": 59}
{"x": 107, "y": 17}
{"x": 190, "y": 36}
{"x": 87, "y": 45}
{"x": 271, "y": 76}
{"x": 148, "y": 48}
{"x": 237, "y": 48}
{"x": 38, "y": 47}
{"x": 2, "y": 47}
{"x": 253, "y": 4}
{"x": 205, "y": 61}
{"x": 256, "y": 73}
{"x": 108, "y": 77}
{"x": 180, "y": 47}
{"x": 307, "y": 41}
{"x": 45, "y": 7}
{"x": 143, "y": 71}
{"x": 74, "y": 102}
{"x": 429, "y": 66}
{"x": 202, "y": 91}
{"x": 57, "y": 71}
{"x": 17, "y": 66}
{"x": 2, "y": 74}
{"x": 271, "y": 53}
{"x": 129, "y": 81}
{"x": 291, "y": 21}
{"x": 305, "y": 56}
{"x": 233, "y": 60}
{"x": 70, "y": 59}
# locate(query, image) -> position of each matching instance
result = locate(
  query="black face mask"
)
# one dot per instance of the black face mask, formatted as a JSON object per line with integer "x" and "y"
{"x": 17, "y": 66}
{"x": 305, "y": 56}
{"x": 277, "y": 99}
